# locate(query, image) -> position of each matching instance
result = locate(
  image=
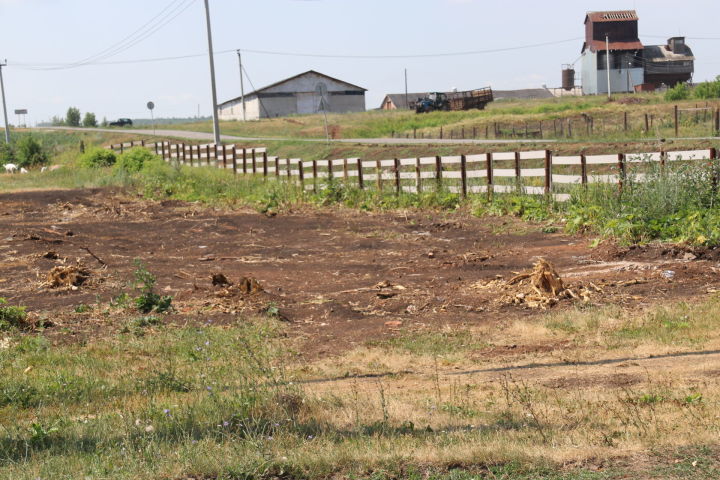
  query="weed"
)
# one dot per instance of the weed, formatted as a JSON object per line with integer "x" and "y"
{"x": 149, "y": 301}
{"x": 11, "y": 316}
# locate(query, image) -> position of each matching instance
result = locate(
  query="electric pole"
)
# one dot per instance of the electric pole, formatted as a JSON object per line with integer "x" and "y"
{"x": 607, "y": 55}
{"x": 242, "y": 86}
{"x": 216, "y": 123}
{"x": 2, "y": 89}
{"x": 407, "y": 103}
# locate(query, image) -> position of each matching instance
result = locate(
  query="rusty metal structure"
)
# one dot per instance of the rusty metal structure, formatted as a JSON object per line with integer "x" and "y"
{"x": 612, "y": 43}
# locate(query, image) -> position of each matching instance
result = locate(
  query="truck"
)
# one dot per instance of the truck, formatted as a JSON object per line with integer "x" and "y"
{"x": 456, "y": 101}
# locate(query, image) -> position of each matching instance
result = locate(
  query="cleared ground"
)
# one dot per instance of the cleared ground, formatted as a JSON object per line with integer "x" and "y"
{"x": 411, "y": 350}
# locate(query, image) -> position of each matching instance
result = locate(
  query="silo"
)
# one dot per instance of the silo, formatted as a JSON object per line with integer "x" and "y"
{"x": 568, "y": 77}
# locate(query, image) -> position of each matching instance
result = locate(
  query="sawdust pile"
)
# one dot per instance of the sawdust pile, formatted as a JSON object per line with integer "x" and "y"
{"x": 542, "y": 287}
{"x": 68, "y": 276}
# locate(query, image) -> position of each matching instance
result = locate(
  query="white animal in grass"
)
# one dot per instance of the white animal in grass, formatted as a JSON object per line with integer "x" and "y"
{"x": 10, "y": 168}
{"x": 22, "y": 170}
{"x": 51, "y": 168}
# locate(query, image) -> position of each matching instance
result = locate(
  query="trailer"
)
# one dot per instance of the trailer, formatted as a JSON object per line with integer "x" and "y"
{"x": 467, "y": 100}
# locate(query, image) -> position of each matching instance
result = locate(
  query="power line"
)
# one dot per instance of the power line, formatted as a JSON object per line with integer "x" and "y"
{"x": 171, "y": 12}
{"x": 58, "y": 66}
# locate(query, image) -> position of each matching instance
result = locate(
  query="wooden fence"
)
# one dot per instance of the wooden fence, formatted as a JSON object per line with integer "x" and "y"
{"x": 703, "y": 120}
{"x": 532, "y": 172}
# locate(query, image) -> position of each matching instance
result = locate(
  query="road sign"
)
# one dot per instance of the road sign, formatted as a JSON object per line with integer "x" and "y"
{"x": 22, "y": 111}
{"x": 150, "y": 105}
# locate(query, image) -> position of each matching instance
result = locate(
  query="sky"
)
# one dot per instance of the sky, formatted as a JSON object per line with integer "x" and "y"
{"x": 38, "y": 36}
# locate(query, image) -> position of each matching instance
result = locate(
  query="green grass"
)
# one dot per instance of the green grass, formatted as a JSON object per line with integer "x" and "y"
{"x": 507, "y": 114}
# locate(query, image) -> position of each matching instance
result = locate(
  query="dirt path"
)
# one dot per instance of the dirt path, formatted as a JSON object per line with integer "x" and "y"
{"x": 340, "y": 278}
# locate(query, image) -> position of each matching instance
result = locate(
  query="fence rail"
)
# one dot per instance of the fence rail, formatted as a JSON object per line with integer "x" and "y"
{"x": 532, "y": 172}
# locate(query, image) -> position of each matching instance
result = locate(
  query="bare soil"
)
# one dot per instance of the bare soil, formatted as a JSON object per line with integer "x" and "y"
{"x": 340, "y": 278}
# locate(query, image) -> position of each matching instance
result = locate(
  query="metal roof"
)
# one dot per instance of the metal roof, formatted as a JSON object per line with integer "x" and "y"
{"x": 612, "y": 16}
{"x": 601, "y": 46}
{"x": 290, "y": 79}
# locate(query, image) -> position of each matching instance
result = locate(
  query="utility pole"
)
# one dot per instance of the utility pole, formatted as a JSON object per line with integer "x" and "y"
{"x": 607, "y": 55}
{"x": 242, "y": 86}
{"x": 216, "y": 123}
{"x": 407, "y": 103}
{"x": 2, "y": 89}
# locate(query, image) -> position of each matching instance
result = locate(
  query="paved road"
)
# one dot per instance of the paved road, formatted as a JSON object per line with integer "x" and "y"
{"x": 367, "y": 141}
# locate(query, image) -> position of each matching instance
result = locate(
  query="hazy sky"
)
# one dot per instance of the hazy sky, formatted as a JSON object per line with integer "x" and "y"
{"x": 42, "y": 32}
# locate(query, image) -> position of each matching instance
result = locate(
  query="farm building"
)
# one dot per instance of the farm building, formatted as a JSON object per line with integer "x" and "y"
{"x": 298, "y": 95}
{"x": 613, "y": 37}
{"x": 396, "y": 101}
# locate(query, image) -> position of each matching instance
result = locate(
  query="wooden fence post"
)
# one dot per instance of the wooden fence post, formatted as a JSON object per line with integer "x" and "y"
{"x": 315, "y": 175}
{"x": 647, "y": 123}
{"x": 717, "y": 121}
{"x": 207, "y": 154}
{"x": 441, "y": 132}
{"x": 330, "y": 170}
{"x": 301, "y": 175}
{"x": 677, "y": 121}
{"x": 244, "y": 161}
{"x": 438, "y": 172}
{"x": 625, "y": 121}
{"x": 234, "y": 159}
{"x": 518, "y": 173}
{"x": 715, "y": 171}
{"x": 548, "y": 172}
{"x": 289, "y": 169}
{"x": 463, "y": 175}
{"x": 345, "y": 169}
{"x": 418, "y": 176}
{"x": 361, "y": 184}
{"x": 254, "y": 162}
{"x": 621, "y": 171}
{"x": 378, "y": 168}
{"x": 583, "y": 170}
{"x": 277, "y": 166}
{"x": 397, "y": 175}
{"x": 265, "y": 164}
{"x": 489, "y": 175}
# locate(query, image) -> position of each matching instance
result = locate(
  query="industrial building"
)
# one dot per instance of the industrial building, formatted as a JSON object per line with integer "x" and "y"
{"x": 306, "y": 93}
{"x": 612, "y": 40}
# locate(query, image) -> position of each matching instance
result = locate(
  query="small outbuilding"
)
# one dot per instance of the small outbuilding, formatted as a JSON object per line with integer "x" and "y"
{"x": 304, "y": 94}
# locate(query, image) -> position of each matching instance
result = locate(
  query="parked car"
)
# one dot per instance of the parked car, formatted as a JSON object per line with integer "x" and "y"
{"x": 121, "y": 122}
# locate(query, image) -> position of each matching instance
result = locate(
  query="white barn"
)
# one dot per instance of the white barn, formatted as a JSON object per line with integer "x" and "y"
{"x": 296, "y": 95}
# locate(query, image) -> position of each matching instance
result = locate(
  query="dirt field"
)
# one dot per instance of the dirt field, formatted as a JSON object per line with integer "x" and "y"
{"x": 339, "y": 278}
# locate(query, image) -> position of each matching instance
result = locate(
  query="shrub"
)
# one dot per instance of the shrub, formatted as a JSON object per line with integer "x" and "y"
{"x": 98, "y": 158}
{"x": 29, "y": 152}
{"x": 11, "y": 317}
{"x": 134, "y": 160}
{"x": 681, "y": 91}
{"x": 707, "y": 90}
{"x": 7, "y": 154}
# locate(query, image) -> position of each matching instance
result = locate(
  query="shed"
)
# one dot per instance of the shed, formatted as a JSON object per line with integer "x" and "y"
{"x": 296, "y": 95}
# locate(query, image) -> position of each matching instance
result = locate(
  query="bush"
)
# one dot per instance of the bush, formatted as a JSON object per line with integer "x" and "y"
{"x": 707, "y": 90}
{"x": 98, "y": 158}
{"x": 134, "y": 160}
{"x": 11, "y": 317}
{"x": 7, "y": 154}
{"x": 681, "y": 91}
{"x": 29, "y": 152}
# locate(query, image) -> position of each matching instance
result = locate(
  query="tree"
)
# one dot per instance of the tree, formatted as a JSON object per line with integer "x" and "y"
{"x": 104, "y": 122}
{"x": 89, "y": 120}
{"x": 72, "y": 119}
